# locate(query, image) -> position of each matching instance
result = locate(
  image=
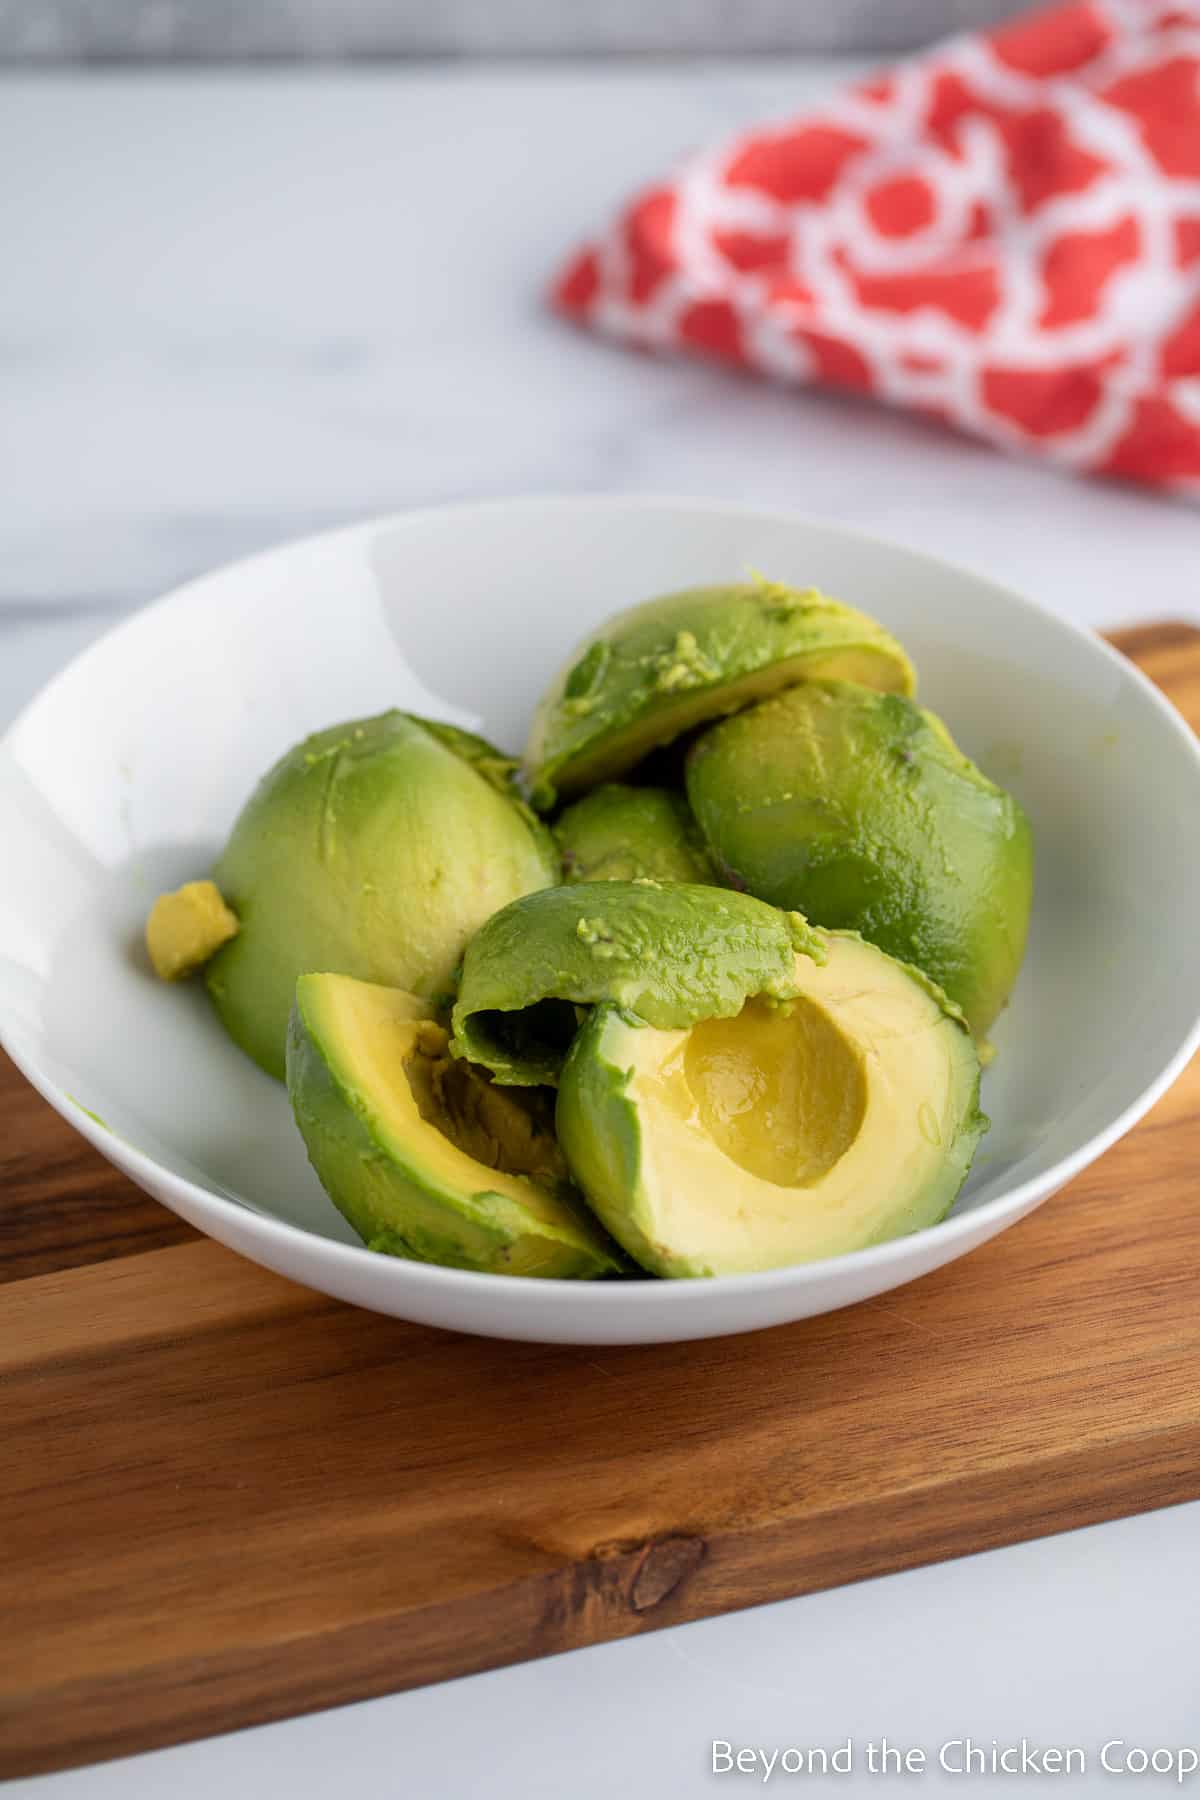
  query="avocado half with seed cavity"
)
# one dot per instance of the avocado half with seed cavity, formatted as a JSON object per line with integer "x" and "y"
{"x": 859, "y": 809}
{"x": 620, "y": 833}
{"x": 790, "y": 1133}
{"x": 373, "y": 849}
{"x": 661, "y": 668}
{"x": 671, "y": 954}
{"x": 422, "y": 1155}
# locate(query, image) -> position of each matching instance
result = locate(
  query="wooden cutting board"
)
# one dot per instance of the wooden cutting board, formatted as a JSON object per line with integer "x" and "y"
{"x": 224, "y": 1499}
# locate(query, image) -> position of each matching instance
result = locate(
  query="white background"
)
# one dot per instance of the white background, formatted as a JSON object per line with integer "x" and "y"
{"x": 236, "y": 308}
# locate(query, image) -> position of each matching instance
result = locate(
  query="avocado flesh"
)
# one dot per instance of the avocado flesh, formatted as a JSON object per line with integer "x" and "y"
{"x": 186, "y": 928}
{"x": 423, "y": 1156}
{"x": 859, "y": 809}
{"x": 373, "y": 849}
{"x": 789, "y": 1134}
{"x": 670, "y": 953}
{"x": 621, "y": 833}
{"x": 663, "y": 667}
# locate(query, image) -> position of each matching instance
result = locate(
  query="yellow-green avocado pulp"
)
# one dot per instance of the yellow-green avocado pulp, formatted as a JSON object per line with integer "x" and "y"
{"x": 670, "y": 953}
{"x": 618, "y": 833}
{"x": 792, "y": 1132}
{"x": 858, "y": 809}
{"x": 424, "y": 1157}
{"x": 375, "y": 849}
{"x": 661, "y": 668}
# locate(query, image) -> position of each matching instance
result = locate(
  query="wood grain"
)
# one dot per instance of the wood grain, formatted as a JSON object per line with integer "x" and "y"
{"x": 225, "y": 1499}
{"x": 63, "y": 1205}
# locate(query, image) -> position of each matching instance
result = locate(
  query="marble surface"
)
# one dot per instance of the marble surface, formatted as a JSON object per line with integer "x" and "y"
{"x": 55, "y": 30}
{"x": 238, "y": 308}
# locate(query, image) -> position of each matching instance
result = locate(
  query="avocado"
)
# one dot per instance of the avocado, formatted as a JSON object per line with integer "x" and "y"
{"x": 186, "y": 928}
{"x": 373, "y": 849}
{"x": 497, "y": 768}
{"x": 789, "y": 1133}
{"x": 670, "y": 954}
{"x": 661, "y": 668}
{"x": 424, "y": 1157}
{"x": 625, "y": 833}
{"x": 859, "y": 809}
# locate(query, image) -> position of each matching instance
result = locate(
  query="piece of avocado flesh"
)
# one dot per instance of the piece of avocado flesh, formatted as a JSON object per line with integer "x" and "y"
{"x": 424, "y": 1157}
{"x": 791, "y": 1133}
{"x": 859, "y": 809}
{"x": 670, "y": 953}
{"x": 661, "y": 668}
{"x": 618, "y": 833}
{"x": 375, "y": 848}
{"x": 186, "y": 928}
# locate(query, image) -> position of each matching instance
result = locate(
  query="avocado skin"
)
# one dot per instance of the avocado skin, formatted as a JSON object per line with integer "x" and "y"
{"x": 619, "y": 833}
{"x": 660, "y": 667}
{"x": 671, "y": 954}
{"x": 372, "y": 849}
{"x": 858, "y": 808}
{"x": 404, "y": 1210}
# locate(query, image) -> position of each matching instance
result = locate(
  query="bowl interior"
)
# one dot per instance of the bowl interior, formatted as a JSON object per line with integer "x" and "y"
{"x": 124, "y": 777}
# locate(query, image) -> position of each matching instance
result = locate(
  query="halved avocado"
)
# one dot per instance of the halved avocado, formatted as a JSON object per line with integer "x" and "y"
{"x": 658, "y": 669}
{"x": 844, "y": 1117}
{"x": 423, "y": 1156}
{"x": 671, "y": 954}
{"x": 859, "y": 809}
{"x": 620, "y": 833}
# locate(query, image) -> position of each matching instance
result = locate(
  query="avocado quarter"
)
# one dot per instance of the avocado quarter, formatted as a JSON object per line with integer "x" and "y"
{"x": 423, "y": 1156}
{"x": 375, "y": 849}
{"x": 663, "y": 667}
{"x": 788, "y": 1133}
{"x": 618, "y": 833}
{"x": 859, "y": 809}
{"x": 669, "y": 953}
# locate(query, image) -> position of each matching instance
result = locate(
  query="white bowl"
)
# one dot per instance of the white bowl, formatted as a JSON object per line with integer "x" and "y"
{"x": 125, "y": 775}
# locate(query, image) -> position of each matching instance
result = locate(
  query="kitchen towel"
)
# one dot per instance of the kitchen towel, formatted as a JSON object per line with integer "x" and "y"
{"x": 1002, "y": 232}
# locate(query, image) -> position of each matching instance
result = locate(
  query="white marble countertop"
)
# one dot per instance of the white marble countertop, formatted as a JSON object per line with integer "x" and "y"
{"x": 239, "y": 307}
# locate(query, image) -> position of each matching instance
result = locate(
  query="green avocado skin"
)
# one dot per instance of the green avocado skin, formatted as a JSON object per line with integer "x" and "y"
{"x": 372, "y": 849}
{"x": 652, "y": 666}
{"x": 618, "y": 833}
{"x": 669, "y": 954}
{"x": 402, "y": 1210}
{"x": 857, "y": 808}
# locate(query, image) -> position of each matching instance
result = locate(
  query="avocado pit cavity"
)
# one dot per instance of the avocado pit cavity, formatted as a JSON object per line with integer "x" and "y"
{"x": 489, "y": 1124}
{"x": 778, "y": 1089}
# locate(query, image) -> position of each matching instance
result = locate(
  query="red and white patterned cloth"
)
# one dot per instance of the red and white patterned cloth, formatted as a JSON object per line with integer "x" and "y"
{"x": 1003, "y": 232}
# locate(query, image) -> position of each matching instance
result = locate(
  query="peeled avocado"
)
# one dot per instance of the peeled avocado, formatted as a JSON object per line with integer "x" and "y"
{"x": 393, "y": 930}
{"x": 424, "y": 1157}
{"x": 669, "y": 954}
{"x": 629, "y": 833}
{"x": 373, "y": 849}
{"x": 859, "y": 809}
{"x": 789, "y": 1133}
{"x": 663, "y": 667}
